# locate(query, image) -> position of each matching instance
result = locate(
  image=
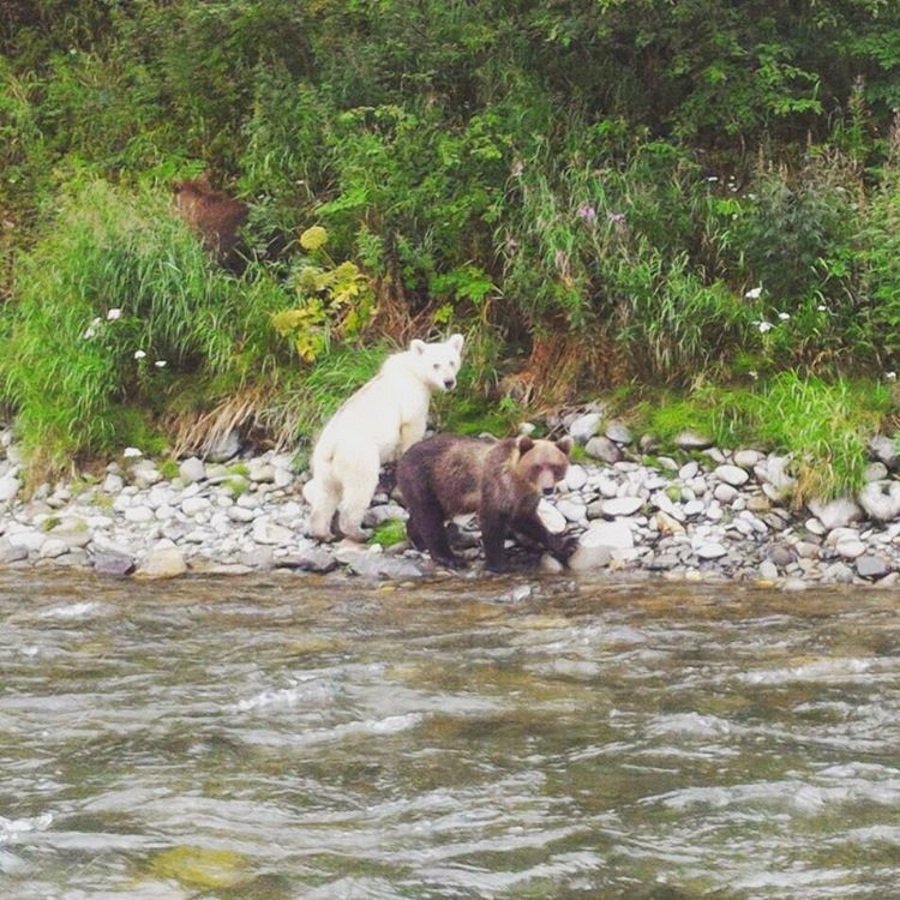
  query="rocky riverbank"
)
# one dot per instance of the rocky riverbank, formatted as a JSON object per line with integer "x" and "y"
{"x": 712, "y": 514}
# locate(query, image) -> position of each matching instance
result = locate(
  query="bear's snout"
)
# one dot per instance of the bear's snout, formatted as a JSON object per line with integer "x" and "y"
{"x": 449, "y": 383}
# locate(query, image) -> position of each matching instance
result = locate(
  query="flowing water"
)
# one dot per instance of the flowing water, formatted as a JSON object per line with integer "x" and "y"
{"x": 284, "y": 736}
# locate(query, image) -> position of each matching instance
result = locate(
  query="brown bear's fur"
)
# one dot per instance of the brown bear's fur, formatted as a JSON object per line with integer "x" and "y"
{"x": 502, "y": 481}
{"x": 215, "y": 217}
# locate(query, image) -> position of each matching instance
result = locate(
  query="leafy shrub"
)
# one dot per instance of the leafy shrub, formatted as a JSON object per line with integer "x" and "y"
{"x": 336, "y": 300}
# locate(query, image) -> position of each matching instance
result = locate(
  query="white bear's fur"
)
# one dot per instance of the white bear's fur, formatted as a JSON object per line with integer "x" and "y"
{"x": 376, "y": 425}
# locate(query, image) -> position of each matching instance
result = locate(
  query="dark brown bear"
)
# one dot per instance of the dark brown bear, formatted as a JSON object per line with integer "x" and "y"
{"x": 503, "y": 481}
{"x": 215, "y": 217}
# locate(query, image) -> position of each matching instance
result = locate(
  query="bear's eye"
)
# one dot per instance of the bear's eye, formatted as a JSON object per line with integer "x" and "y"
{"x": 437, "y": 367}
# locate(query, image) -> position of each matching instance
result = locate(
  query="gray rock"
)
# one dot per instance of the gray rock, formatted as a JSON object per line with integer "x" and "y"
{"x": 382, "y": 565}
{"x": 838, "y": 573}
{"x": 666, "y": 524}
{"x": 814, "y": 526}
{"x": 267, "y": 532}
{"x": 10, "y": 553}
{"x": 28, "y": 538}
{"x": 9, "y": 487}
{"x": 689, "y": 470}
{"x": 241, "y": 514}
{"x": 192, "y": 470}
{"x": 621, "y": 506}
{"x": 837, "y": 513}
{"x": 53, "y": 548}
{"x": 758, "y": 503}
{"x": 850, "y": 549}
{"x": 725, "y": 493}
{"x": 194, "y": 505}
{"x": 782, "y": 556}
{"x": 872, "y": 566}
{"x": 661, "y": 562}
{"x": 112, "y": 483}
{"x": 747, "y": 459}
{"x": 881, "y": 500}
{"x": 585, "y": 427}
{"x": 768, "y": 570}
{"x": 619, "y": 432}
{"x": 733, "y": 475}
{"x": 773, "y": 471}
{"x": 589, "y": 556}
{"x": 572, "y": 510}
{"x": 311, "y": 559}
{"x": 554, "y": 521}
{"x": 139, "y": 515}
{"x": 604, "y": 449}
{"x": 886, "y": 449}
{"x": 144, "y": 474}
{"x": 163, "y": 562}
{"x": 576, "y": 477}
{"x": 694, "y": 508}
{"x": 226, "y": 447}
{"x": 806, "y": 550}
{"x": 691, "y": 440}
{"x": 711, "y": 550}
{"x": 616, "y": 535}
{"x": 876, "y": 471}
{"x": 260, "y": 472}
{"x": 74, "y": 531}
{"x": 111, "y": 563}
{"x": 259, "y": 559}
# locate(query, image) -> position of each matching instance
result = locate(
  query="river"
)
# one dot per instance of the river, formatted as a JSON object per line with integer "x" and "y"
{"x": 305, "y": 737}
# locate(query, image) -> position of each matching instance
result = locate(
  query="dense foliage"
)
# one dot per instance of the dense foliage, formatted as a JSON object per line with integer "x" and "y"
{"x": 597, "y": 191}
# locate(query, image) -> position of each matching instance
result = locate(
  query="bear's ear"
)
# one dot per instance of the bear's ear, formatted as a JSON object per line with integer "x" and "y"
{"x": 565, "y": 444}
{"x": 456, "y": 342}
{"x": 418, "y": 346}
{"x": 524, "y": 443}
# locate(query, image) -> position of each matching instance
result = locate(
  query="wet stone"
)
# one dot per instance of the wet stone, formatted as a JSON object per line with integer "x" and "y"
{"x": 110, "y": 563}
{"x": 872, "y": 566}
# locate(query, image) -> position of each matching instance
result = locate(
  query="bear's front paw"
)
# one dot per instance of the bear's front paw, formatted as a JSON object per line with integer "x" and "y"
{"x": 563, "y": 546}
{"x": 450, "y": 562}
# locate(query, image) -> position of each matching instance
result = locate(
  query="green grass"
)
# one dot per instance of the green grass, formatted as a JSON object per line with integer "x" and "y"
{"x": 389, "y": 533}
{"x": 824, "y": 425}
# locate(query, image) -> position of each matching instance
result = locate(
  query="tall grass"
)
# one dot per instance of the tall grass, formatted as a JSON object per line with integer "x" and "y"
{"x": 113, "y": 302}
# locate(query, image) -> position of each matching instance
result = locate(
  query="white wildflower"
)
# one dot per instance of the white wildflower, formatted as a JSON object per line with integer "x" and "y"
{"x": 753, "y": 293}
{"x": 114, "y": 313}
{"x": 160, "y": 364}
{"x": 764, "y": 326}
{"x": 139, "y": 354}
{"x": 784, "y": 316}
{"x": 890, "y": 376}
{"x": 822, "y": 307}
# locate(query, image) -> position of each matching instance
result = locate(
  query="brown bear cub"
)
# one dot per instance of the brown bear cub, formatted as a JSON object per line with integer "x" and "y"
{"x": 215, "y": 218}
{"x": 503, "y": 481}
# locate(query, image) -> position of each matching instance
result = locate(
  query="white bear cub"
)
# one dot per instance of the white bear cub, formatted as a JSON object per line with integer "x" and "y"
{"x": 376, "y": 425}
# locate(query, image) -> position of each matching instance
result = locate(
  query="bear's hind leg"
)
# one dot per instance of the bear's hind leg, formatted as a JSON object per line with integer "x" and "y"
{"x": 428, "y": 532}
{"x": 322, "y": 496}
{"x": 360, "y": 481}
